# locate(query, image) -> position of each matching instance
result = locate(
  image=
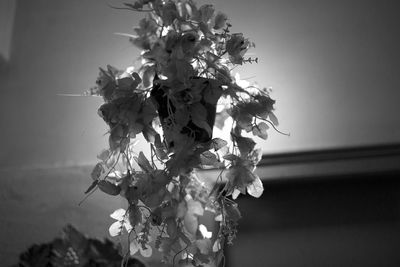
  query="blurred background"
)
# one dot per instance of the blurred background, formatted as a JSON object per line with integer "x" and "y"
{"x": 332, "y": 188}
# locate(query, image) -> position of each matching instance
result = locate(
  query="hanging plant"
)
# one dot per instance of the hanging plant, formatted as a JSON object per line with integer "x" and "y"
{"x": 182, "y": 89}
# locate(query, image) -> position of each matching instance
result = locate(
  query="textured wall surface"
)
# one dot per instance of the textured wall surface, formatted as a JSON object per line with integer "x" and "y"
{"x": 332, "y": 65}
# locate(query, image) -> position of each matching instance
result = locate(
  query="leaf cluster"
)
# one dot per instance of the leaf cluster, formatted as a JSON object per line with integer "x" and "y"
{"x": 186, "y": 72}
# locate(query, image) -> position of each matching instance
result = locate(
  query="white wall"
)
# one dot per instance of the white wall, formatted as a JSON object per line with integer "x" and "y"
{"x": 332, "y": 64}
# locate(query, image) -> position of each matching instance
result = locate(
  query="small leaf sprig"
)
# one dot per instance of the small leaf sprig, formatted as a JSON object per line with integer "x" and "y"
{"x": 187, "y": 61}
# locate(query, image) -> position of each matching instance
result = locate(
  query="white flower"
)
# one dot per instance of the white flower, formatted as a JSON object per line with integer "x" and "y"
{"x": 122, "y": 221}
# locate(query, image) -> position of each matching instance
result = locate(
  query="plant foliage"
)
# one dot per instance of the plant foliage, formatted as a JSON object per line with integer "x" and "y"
{"x": 183, "y": 87}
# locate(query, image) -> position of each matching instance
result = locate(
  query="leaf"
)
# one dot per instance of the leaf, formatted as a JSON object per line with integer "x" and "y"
{"x": 172, "y": 229}
{"x": 160, "y": 148}
{"x": 206, "y": 12}
{"x": 195, "y": 207}
{"x": 184, "y": 238}
{"x": 182, "y": 117}
{"x": 134, "y": 215}
{"x": 232, "y": 211}
{"x": 133, "y": 247}
{"x": 208, "y": 158}
{"x": 273, "y": 118}
{"x": 256, "y": 188}
{"x": 97, "y": 171}
{"x": 147, "y": 251}
{"x": 191, "y": 223}
{"x": 245, "y": 144}
{"x": 202, "y": 258}
{"x": 109, "y": 188}
{"x": 148, "y": 76}
{"x": 115, "y": 229}
{"x": 204, "y": 246}
{"x": 220, "y": 21}
{"x": 135, "y": 6}
{"x": 212, "y": 92}
{"x": 92, "y": 186}
{"x": 230, "y": 157}
{"x": 198, "y": 114}
{"x": 149, "y": 134}
{"x": 218, "y": 143}
{"x": 260, "y": 130}
{"x": 104, "y": 155}
{"x": 143, "y": 163}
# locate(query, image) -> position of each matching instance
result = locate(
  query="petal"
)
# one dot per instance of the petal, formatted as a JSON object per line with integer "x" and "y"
{"x": 203, "y": 230}
{"x": 218, "y": 218}
{"x": 191, "y": 223}
{"x": 115, "y": 229}
{"x": 128, "y": 226}
{"x": 146, "y": 252}
{"x": 256, "y": 188}
{"x": 217, "y": 246}
{"x": 195, "y": 207}
{"x": 235, "y": 193}
{"x": 118, "y": 214}
{"x": 133, "y": 247}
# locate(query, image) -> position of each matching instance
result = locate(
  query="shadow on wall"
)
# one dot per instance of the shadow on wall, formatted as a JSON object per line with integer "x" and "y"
{"x": 348, "y": 221}
{"x": 36, "y": 204}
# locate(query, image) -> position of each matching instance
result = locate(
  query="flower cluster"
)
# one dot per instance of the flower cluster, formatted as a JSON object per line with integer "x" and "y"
{"x": 183, "y": 88}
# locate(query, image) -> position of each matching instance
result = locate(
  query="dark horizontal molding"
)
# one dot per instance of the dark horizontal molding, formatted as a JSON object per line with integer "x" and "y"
{"x": 331, "y": 162}
{"x": 335, "y": 162}
{"x": 332, "y": 154}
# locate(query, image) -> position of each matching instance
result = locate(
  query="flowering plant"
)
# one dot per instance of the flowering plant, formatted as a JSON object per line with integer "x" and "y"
{"x": 183, "y": 88}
